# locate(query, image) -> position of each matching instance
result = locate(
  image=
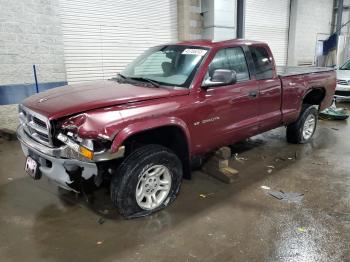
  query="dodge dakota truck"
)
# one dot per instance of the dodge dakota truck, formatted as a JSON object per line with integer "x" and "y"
{"x": 139, "y": 131}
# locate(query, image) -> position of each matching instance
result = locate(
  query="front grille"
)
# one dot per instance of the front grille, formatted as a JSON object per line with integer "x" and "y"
{"x": 39, "y": 122}
{"x": 342, "y": 93}
{"x": 343, "y": 82}
{"x": 35, "y": 125}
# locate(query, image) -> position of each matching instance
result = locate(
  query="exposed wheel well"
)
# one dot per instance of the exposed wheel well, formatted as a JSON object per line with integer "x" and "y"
{"x": 315, "y": 96}
{"x": 171, "y": 137}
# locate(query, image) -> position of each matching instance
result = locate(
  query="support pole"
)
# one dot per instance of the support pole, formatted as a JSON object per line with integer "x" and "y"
{"x": 339, "y": 16}
{"x": 36, "y": 79}
{"x": 240, "y": 18}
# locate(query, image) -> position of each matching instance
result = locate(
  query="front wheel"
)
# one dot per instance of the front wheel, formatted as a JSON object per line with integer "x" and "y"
{"x": 302, "y": 130}
{"x": 148, "y": 180}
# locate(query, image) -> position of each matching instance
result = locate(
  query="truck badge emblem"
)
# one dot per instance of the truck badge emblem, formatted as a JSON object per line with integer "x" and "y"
{"x": 42, "y": 100}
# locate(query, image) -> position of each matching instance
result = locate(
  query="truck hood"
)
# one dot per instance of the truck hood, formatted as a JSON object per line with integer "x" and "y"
{"x": 343, "y": 74}
{"x": 73, "y": 99}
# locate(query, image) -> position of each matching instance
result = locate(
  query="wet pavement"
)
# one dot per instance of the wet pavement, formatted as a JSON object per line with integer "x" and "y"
{"x": 9, "y": 117}
{"x": 210, "y": 220}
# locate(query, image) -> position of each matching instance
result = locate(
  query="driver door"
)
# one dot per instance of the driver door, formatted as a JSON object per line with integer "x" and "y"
{"x": 227, "y": 113}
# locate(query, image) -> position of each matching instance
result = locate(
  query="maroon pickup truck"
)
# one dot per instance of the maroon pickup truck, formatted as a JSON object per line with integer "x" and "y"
{"x": 174, "y": 103}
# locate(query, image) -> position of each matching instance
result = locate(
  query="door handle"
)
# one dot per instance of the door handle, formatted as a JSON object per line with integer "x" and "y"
{"x": 253, "y": 94}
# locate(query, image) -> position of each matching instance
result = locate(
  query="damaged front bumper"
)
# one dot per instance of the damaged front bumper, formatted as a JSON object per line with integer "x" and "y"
{"x": 57, "y": 163}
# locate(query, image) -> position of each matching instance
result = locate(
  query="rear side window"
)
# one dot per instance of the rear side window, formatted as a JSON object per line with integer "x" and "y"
{"x": 232, "y": 59}
{"x": 262, "y": 62}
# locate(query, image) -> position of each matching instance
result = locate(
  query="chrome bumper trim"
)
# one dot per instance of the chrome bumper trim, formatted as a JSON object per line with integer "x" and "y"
{"x": 63, "y": 151}
{"x": 342, "y": 97}
{"x": 57, "y": 172}
{"x": 33, "y": 144}
{"x": 27, "y": 116}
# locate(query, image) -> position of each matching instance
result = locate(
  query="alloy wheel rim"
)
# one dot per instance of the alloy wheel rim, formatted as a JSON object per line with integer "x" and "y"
{"x": 309, "y": 127}
{"x": 153, "y": 187}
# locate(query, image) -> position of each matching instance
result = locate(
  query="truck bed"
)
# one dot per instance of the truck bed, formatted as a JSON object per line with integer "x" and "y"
{"x": 296, "y": 82}
{"x": 300, "y": 70}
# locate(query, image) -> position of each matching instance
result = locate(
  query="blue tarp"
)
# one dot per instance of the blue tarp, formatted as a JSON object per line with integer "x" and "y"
{"x": 330, "y": 44}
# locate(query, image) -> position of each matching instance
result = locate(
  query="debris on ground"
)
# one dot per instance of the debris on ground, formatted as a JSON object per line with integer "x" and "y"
{"x": 270, "y": 168}
{"x": 206, "y": 195}
{"x": 265, "y": 187}
{"x": 321, "y": 163}
{"x": 104, "y": 212}
{"x": 9, "y": 178}
{"x": 336, "y": 129}
{"x": 240, "y": 159}
{"x": 287, "y": 196}
{"x": 334, "y": 113}
{"x": 295, "y": 155}
{"x": 191, "y": 255}
{"x": 342, "y": 216}
{"x": 277, "y": 159}
{"x": 301, "y": 229}
{"x": 99, "y": 242}
{"x": 101, "y": 221}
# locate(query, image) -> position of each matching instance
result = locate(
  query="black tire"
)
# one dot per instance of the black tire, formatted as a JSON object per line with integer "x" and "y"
{"x": 295, "y": 130}
{"x": 124, "y": 182}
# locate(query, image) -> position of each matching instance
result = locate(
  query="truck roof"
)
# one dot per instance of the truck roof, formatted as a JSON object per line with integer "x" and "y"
{"x": 211, "y": 43}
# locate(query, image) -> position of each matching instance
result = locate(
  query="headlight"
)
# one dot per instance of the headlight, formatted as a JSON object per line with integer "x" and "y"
{"x": 86, "y": 152}
{"x": 85, "y": 148}
{"x": 88, "y": 143}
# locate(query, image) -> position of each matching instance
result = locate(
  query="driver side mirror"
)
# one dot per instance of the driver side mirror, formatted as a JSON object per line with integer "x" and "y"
{"x": 221, "y": 77}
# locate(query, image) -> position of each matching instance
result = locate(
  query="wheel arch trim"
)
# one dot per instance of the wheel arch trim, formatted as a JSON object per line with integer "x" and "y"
{"x": 147, "y": 125}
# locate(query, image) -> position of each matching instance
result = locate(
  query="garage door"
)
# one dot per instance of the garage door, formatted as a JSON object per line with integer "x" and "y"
{"x": 268, "y": 21}
{"x": 101, "y": 37}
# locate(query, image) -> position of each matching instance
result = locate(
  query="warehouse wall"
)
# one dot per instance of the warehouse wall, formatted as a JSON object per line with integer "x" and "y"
{"x": 190, "y": 21}
{"x": 309, "y": 21}
{"x": 30, "y": 33}
{"x": 101, "y": 38}
{"x": 219, "y": 19}
{"x": 343, "y": 52}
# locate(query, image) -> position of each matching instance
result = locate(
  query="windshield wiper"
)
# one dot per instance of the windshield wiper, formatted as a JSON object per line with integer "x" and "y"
{"x": 118, "y": 79}
{"x": 122, "y": 76}
{"x": 143, "y": 79}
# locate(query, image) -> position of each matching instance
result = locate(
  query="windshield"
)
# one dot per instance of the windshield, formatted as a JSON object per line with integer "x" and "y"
{"x": 346, "y": 66}
{"x": 173, "y": 65}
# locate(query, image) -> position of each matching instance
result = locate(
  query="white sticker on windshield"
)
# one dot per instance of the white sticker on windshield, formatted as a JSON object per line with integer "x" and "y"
{"x": 191, "y": 51}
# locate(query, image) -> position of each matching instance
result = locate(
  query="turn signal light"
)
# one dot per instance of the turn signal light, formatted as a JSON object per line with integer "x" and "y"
{"x": 86, "y": 152}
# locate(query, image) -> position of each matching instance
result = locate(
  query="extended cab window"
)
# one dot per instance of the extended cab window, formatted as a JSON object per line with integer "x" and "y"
{"x": 232, "y": 59}
{"x": 262, "y": 62}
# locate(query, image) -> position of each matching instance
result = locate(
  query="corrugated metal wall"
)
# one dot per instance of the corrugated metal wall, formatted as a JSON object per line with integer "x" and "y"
{"x": 268, "y": 21}
{"x": 101, "y": 37}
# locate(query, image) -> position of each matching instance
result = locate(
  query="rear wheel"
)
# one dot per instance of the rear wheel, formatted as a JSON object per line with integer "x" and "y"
{"x": 148, "y": 180}
{"x": 301, "y": 131}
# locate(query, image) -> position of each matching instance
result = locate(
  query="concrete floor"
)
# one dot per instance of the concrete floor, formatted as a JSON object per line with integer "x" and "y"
{"x": 236, "y": 222}
{"x": 9, "y": 117}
